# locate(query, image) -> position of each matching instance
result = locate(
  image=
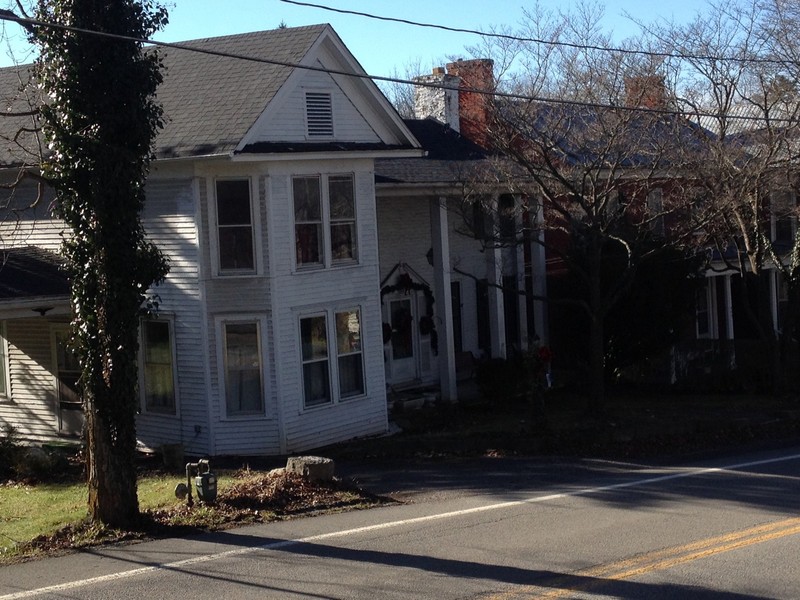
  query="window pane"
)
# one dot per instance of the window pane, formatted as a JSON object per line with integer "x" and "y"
{"x": 233, "y": 202}
{"x": 348, "y": 332}
{"x": 243, "y": 386}
{"x": 307, "y": 199}
{"x": 314, "y": 338}
{"x": 348, "y": 347}
{"x": 343, "y": 237}
{"x": 316, "y": 383}
{"x": 309, "y": 243}
{"x": 351, "y": 375}
{"x": 236, "y": 248}
{"x": 342, "y": 197}
{"x": 159, "y": 381}
{"x": 234, "y": 226}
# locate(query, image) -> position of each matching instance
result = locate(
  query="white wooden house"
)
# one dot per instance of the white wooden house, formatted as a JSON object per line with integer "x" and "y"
{"x": 269, "y": 337}
{"x": 486, "y": 297}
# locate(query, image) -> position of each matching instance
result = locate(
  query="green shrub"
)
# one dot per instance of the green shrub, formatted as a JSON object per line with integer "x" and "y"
{"x": 8, "y": 451}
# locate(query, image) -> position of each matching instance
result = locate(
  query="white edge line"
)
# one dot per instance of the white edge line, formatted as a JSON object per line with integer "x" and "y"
{"x": 62, "y": 587}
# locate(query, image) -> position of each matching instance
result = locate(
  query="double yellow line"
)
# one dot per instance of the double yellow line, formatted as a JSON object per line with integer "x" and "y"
{"x": 595, "y": 577}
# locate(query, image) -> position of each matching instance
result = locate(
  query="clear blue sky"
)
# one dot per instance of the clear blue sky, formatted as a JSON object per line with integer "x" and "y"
{"x": 381, "y": 48}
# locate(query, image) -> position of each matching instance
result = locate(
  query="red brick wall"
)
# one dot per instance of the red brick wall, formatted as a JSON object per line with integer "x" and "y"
{"x": 473, "y": 108}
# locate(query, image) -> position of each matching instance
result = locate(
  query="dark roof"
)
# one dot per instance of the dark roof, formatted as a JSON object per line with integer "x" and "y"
{"x": 591, "y": 136}
{"x": 209, "y": 101}
{"x": 31, "y": 272}
{"x": 450, "y": 158}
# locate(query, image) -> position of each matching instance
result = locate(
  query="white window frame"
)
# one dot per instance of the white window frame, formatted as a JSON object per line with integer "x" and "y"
{"x": 221, "y": 323}
{"x": 5, "y": 379}
{"x": 169, "y": 320}
{"x": 327, "y": 260}
{"x": 333, "y": 356}
{"x": 255, "y": 228}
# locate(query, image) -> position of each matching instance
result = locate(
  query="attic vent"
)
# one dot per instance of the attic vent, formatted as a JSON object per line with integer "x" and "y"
{"x": 319, "y": 114}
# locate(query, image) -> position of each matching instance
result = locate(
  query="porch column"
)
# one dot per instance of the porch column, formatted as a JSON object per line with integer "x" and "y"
{"x": 497, "y": 317}
{"x": 539, "y": 273}
{"x": 522, "y": 300}
{"x": 728, "y": 308}
{"x": 443, "y": 304}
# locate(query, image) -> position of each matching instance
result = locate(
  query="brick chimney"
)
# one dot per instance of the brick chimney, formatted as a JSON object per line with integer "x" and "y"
{"x": 436, "y": 102}
{"x": 645, "y": 91}
{"x": 474, "y": 108}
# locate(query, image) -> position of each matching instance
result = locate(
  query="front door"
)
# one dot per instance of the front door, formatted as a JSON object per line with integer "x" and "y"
{"x": 69, "y": 408}
{"x": 403, "y": 357}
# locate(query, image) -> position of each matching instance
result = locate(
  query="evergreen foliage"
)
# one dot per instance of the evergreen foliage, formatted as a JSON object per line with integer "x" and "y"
{"x": 100, "y": 119}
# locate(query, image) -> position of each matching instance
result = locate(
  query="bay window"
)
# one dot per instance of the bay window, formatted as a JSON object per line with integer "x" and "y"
{"x": 331, "y": 372}
{"x": 324, "y": 220}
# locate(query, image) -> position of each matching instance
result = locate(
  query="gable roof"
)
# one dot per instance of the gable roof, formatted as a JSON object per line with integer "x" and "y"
{"x": 211, "y": 99}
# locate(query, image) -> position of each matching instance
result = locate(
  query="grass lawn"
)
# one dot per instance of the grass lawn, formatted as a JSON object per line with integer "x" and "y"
{"x": 28, "y": 511}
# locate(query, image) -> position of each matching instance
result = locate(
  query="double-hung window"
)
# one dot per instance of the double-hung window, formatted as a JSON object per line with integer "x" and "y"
{"x": 243, "y": 371}
{"x": 235, "y": 231}
{"x": 158, "y": 371}
{"x": 332, "y": 357}
{"x": 324, "y": 220}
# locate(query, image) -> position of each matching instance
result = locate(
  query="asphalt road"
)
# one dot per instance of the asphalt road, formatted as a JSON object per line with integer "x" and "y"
{"x": 489, "y": 529}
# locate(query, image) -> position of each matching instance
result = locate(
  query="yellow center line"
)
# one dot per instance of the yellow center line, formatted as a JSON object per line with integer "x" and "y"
{"x": 594, "y": 577}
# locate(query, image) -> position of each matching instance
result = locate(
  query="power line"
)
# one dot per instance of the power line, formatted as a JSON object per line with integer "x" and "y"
{"x": 574, "y": 45}
{"x": 28, "y": 23}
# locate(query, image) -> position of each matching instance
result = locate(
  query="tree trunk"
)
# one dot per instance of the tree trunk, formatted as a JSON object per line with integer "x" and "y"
{"x": 111, "y": 476}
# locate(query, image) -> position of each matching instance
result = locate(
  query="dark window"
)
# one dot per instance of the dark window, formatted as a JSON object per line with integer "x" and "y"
{"x": 159, "y": 375}
{"x": 235, "y": 225}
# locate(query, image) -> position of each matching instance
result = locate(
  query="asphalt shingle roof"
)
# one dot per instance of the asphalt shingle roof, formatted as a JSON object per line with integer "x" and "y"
{"x": 451, "y": 159}
{"x": 31, "y": 272}
{"x": 210, "y": 101}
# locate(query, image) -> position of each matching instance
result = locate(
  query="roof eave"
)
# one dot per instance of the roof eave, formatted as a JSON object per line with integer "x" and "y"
{"x": 30, "y": 307}
{"x": 355, "y": 154}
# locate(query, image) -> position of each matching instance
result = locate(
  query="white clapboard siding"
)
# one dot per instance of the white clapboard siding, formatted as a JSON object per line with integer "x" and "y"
{"x": 288, "y": 122}
{"x": 231, "y": 297}
{"x": 170, "y": 222}
{"x": 32, "y": 408}
{"x": 404, "y": 228}
{"x": 31, "y": 222}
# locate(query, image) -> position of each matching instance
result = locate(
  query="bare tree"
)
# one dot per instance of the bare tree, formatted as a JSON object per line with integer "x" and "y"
{"x": 597, "y": 150}
{"x": 736, "y": 76}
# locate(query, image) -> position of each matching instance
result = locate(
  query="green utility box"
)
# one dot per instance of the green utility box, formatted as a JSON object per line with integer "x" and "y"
{"x": 206, "y": 486}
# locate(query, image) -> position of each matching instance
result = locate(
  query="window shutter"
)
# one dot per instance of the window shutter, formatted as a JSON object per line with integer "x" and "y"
{"x": 319, "y": 114}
